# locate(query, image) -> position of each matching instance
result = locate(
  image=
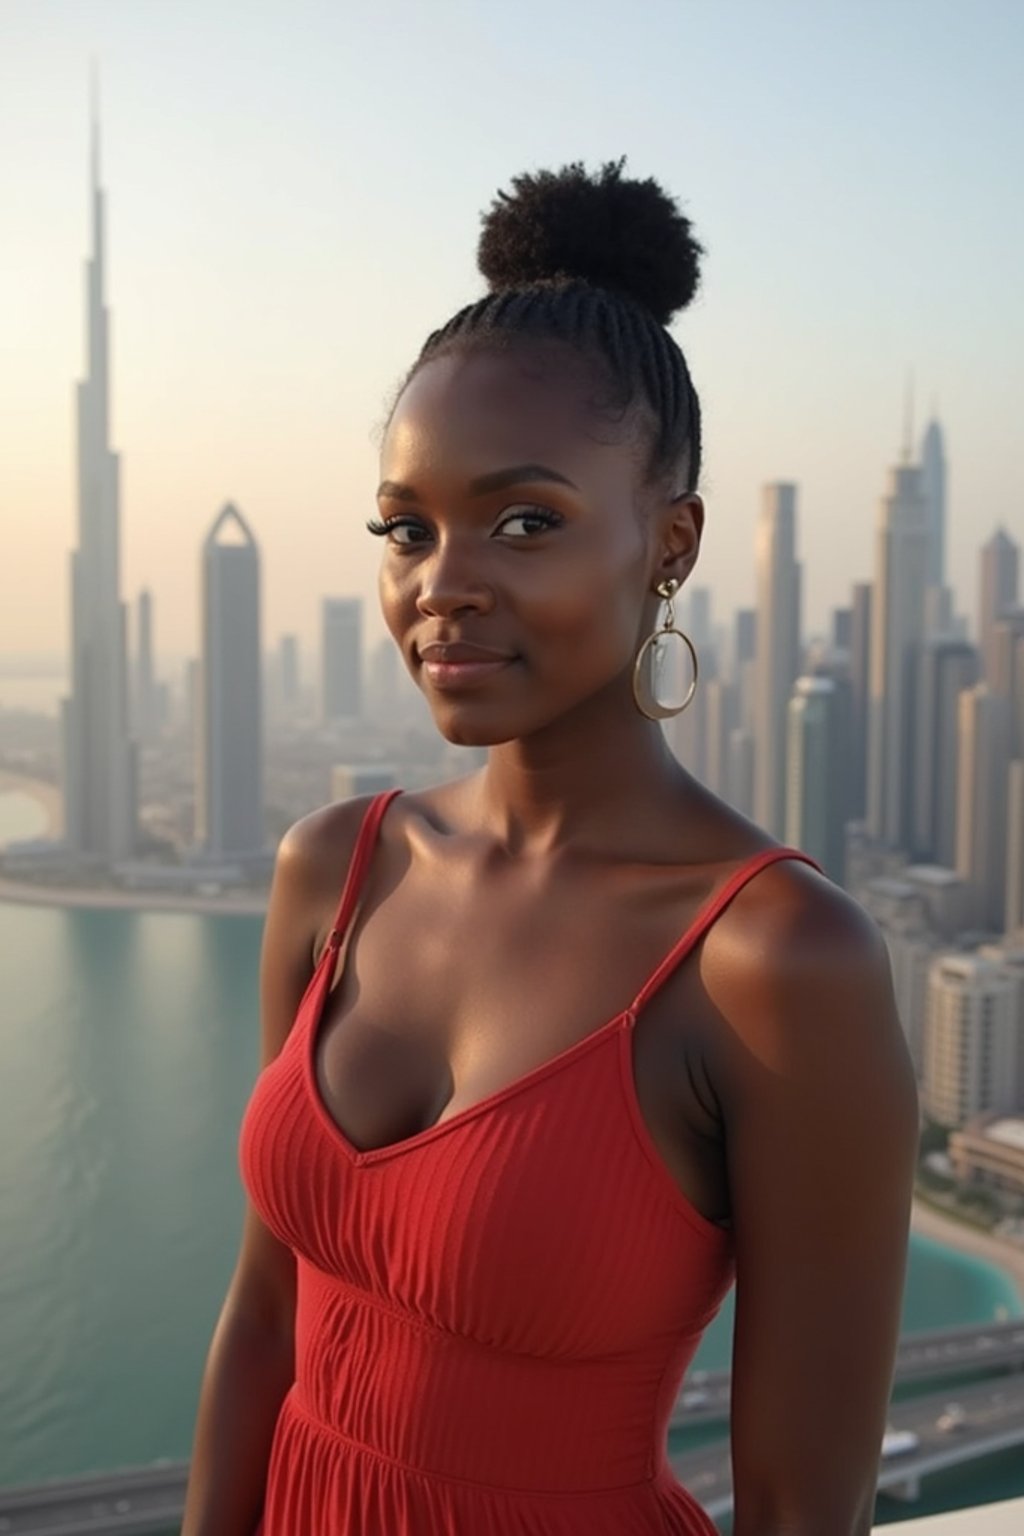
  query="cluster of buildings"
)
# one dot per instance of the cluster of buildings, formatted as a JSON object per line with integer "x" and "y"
{"x": 892, "y": 751}
{"x": 199, "y": 751}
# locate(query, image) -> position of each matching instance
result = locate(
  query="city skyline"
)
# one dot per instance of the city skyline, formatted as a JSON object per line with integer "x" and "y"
{"x": 222, "y": 392}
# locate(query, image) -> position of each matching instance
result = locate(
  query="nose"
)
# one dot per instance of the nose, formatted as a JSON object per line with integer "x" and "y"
{"x": 452, "y": 581}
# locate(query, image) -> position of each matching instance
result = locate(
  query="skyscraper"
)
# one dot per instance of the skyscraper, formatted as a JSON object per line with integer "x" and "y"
{"x": 817, "y": 771}
{"x": 1013, "y": 918}
{"x": 288, "y": 675}
{"x": 982, "y": 777}
{"x": 99, "y": 758}
{"x": 860, "y": 680}
{"x": 897, "y": 630}
{"x": 1007, "y": 673}
{"x": 146, "y": 693}
{"x": 778, "y": 650}
{"x": 945, "y": 668}
{"x": 229, "y": 748}
{"x": 997, "y": 591}
{"x": 933, "y": 483}
{"x": 721, "y": 717}
{"x": 342, "y": 659}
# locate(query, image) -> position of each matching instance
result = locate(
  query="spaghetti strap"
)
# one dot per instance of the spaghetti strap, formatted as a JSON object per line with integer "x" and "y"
{"x": 359, "y": 863}
{"x": 707, "y": 915}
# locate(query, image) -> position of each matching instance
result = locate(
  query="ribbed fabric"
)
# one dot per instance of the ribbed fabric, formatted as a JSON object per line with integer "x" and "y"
{"x": 495, "y": 1315}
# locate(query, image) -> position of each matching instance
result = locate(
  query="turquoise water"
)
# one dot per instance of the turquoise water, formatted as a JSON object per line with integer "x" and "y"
{"x": 130, "y": 1044}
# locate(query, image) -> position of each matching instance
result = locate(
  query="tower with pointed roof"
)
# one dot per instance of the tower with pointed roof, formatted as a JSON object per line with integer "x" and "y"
{"x": 229, "y": 735}
{"x": 933, "y": 479}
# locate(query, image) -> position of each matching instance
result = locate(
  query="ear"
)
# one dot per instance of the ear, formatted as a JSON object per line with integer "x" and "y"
{"x": 681, "y": 525}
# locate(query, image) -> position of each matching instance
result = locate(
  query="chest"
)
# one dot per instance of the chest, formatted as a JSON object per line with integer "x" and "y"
{"x": 442, "y": 997}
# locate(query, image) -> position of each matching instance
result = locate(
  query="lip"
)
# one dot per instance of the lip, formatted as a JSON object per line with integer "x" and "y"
{"x": 459, "y": 651}
{"x": 460, "y": 674}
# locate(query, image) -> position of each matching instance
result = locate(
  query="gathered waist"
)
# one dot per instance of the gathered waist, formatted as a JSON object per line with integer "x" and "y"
{"x": 433, "y": 1402}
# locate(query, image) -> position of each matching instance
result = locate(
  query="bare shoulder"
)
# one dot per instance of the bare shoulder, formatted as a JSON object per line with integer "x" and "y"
{"x": 790, "y": 944}
{"x": 313, "y": 858}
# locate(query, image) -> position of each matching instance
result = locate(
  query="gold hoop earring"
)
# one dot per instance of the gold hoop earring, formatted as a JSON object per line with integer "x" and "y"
{"x": 643, "y": 691}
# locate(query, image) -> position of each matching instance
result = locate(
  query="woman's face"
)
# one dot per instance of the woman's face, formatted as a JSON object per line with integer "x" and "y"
{"x": 517, "y": 537}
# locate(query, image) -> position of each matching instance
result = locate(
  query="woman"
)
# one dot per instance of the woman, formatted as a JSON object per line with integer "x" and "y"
{"x": 490, "y": 1215}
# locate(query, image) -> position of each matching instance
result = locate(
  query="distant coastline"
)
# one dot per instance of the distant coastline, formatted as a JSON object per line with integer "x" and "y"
{"x": 29, "y": 893}
{"x": 34, "y": 893}
{"x": 45, "y": 794}
{"x": 928, "y": 1222}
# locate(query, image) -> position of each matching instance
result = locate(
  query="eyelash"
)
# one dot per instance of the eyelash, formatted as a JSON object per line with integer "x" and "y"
{"x": 381, "y": 528}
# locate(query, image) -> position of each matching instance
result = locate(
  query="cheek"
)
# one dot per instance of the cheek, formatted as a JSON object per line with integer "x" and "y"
{"x": 397, "y": 600}
{"x": 588, "y": 621}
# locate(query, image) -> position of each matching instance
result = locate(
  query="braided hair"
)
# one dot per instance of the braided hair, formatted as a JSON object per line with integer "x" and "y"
{"x": 601, "y": 263}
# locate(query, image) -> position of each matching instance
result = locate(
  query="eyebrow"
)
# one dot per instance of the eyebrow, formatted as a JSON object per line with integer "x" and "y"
{"x": 496, "y": 480}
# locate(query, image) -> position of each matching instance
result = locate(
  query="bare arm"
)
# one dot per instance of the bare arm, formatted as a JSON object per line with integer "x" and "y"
{"x": 821, "y": 1112}
{"x": 251, "y": 1362}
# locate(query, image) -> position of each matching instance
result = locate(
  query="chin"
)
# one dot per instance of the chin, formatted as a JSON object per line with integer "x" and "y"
{"x": 474, "y": 733}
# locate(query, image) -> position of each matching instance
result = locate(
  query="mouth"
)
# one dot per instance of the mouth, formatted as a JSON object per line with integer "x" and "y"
{"x": 462, "y": 674}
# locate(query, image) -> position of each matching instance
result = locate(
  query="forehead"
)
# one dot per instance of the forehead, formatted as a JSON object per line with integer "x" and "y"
{"x": 535, "y": 402}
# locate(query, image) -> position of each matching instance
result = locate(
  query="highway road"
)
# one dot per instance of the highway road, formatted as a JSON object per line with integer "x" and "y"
{"x": 993, "y": 1421}
{"x": 942, "y": 1352}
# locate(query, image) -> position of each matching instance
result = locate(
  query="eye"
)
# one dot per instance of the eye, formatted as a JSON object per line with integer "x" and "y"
{"x": 540, "y": 517}
{"x": 391, "y": 525}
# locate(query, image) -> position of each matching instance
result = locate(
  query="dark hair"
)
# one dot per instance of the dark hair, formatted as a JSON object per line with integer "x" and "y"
{"x": 603, "y": 264}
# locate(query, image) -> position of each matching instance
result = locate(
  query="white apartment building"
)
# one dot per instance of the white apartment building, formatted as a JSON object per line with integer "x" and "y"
{"x": 971, "y": 1039}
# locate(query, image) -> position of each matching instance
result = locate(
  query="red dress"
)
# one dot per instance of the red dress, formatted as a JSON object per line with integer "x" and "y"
{"x": 494, "y": 1315}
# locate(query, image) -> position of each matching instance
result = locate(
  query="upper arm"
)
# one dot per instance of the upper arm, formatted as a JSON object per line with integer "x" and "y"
{"x": 309, "y": 870}
{"x": 820, "y": 1107}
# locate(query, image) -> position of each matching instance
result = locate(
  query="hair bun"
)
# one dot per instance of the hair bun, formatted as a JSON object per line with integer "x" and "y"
{"x": 625, "y": 235}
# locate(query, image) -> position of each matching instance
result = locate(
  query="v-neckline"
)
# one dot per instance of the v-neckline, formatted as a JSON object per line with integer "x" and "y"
{"x": 319, "y": 988}
{"x": 363, "y": 1155}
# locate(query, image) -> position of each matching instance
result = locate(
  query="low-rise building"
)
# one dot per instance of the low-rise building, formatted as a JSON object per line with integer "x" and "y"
{"x": 989, "y": 1150}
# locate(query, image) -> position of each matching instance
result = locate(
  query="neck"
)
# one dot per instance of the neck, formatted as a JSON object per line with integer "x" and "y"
{"x": 592, "y": 779}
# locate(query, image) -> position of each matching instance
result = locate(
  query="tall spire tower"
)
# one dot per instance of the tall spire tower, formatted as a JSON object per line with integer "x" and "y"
{"x": 933, "y": 475}
{"x": 99, "y": 757}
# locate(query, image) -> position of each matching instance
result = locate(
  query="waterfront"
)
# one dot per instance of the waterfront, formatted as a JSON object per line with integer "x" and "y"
{"x": 28, "y": 807}
{"x": 130, "y": 1046}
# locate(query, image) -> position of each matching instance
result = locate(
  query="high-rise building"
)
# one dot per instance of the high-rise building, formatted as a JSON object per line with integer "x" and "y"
{"x": 99, "y": 757}
{"x": 697, "y": 616}
{"x": 971, "y": 1040}
{"x": 384, "y": 681}
{"x": 342, "y": 659}
{"x": 778, "y": 650}
{"x": 900, "y": 909}
{"x": 288, "y": 671}
{"x": 860, "y": 656}
{"x": 229, "y": 756}
{"x": 744, "y": 671}
{"x": 817, "y": 771}
{"x": 739, "y": 771}
{"x": 147, "y": 695}
{"x": 999, "y": 576}
{"x": 940, "y": 619}
{"x": 982, "y": 773}
{"x": 897, "y": 630}
{"x": 721, "y": 717}
{"x": 945, "y": 668}
{"x": 1007, "y": 674}
{"x": 842, "y": 629}
{"x": 933, "y": 480}
{"x": 1013, "y": 919}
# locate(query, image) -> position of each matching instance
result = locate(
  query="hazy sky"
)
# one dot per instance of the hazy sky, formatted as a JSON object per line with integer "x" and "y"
{"x": 294, "y": 192}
